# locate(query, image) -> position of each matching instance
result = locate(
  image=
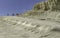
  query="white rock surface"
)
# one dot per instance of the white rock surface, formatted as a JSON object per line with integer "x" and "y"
{"x": 19, "y": 27}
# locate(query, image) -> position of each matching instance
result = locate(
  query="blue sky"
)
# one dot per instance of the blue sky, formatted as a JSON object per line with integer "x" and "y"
{"x": 16, "y": 6}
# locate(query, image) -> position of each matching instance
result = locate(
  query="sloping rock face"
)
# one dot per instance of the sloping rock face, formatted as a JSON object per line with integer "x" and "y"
{"x": 19, "y": 27}
{"x": 49, "y": 9}
{"x": 43, "y": 21}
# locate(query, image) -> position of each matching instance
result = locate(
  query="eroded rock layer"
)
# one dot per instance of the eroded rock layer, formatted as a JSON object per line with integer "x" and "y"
{"x": 45, "y": 9}
{"x": 19, "y": 27}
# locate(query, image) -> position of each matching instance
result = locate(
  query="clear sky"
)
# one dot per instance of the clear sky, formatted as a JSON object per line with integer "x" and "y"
{"x": 16, "y": 6}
